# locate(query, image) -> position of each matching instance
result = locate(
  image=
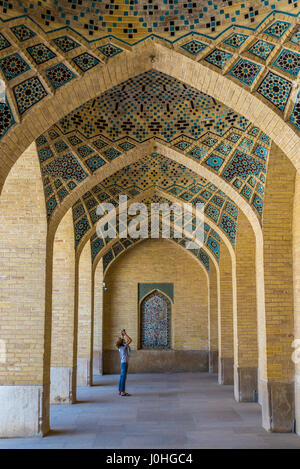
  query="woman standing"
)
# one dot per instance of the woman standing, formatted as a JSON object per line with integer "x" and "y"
{"x": 123, "y": 346}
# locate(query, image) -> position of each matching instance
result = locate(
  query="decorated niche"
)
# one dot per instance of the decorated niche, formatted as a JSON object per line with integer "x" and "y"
{"x": 155, "y": 316}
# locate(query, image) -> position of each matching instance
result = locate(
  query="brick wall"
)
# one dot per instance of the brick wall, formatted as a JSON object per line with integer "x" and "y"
{"x": 157, "y": 261}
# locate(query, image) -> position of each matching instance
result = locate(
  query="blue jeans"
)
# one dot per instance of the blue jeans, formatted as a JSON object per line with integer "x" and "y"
{"x": 123, "y": 376}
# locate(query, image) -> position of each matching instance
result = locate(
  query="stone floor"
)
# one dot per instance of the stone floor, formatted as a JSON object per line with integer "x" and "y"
{"x": 184, "y": 410}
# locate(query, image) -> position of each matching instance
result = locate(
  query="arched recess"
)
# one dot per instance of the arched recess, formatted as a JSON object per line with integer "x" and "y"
{"x": 159, "y": 336}
{"x": 228, "y": 308}
{"x": 82, "y": 247}
{"x": 121, "y": 305}
{"x": 98, "y": 279}
{"x": 24, "y": 323}
{"x": 220, "y": 307}
{"x": 145, "y": 56}
{"x": 64, "y": 319}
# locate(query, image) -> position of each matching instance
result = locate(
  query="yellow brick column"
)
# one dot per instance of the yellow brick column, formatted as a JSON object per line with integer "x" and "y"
{"x": 63, "y": 347}
{"x": 245, "y": 320}
{"x": 214, "y": 307}
{"x": 225, "y": 319}
{"x": 296, "y": 271}
{"x": 98, "y": 310}
{"x": 85, "y": 320}
{"x": 276, "y": 372}
{"x": 24, "y": 324}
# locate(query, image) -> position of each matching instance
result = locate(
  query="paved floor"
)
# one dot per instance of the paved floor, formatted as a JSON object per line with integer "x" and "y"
{"x": 184, "y": 410}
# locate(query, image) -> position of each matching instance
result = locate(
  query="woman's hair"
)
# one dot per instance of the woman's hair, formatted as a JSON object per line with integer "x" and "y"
{"x": 119, "y": 342}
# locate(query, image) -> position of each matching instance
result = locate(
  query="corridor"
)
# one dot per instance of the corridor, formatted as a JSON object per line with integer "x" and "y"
{"x": 183, "y": 410}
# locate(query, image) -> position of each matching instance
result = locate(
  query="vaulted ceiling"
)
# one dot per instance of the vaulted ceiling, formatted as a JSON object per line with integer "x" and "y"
{"x": 156, "y": 172}
{"x": 132, "y": 19}
{"x": 111, "y": 248}
{"x": 153, "y": 105}
{"x": 46, "y": 46}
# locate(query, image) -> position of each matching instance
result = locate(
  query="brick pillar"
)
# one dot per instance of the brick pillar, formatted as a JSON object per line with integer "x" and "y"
{"x": 296, "y": 270}
{"x": 245, "y": 320}
{"x": 98, "y": 309}
{"x": 63, "y": 348}
{"x": 225, "y": 319}
{"x": 24, "y": 324}
{"x": 214, "y": 305}
{"x": 277, "y": 368}
{"x": 85, "y": 322}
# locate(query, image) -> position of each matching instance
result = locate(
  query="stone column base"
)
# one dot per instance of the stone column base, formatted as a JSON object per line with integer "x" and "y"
{"x": 61, "y": 388}
{"x": 278, "y": 406}
{"x": 213, "y": 361}
{"x": 83, "y": 372}
{"x": 245, "y": 383}
{"x": 21, "y": 412}
{"x": 225, "y": 371}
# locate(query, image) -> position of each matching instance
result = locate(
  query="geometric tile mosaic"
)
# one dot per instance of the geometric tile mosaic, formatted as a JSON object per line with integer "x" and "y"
{"x": 86, "y": 61}
{"x": 59, "y": 75}
{"x": 40, "y": 53}
{"x": 236, "y": 40}
{"x": 277, "y": 29}
{"x": 6, "y": 118}
{"x": 245, "y": 71}
{"x": 295, "y": 116}
{"x": 136, "y": 19}
{"x": 80, "y": 228}
{"x": 22, "y": 32}
{"x": 45, "y": 153}
{"x": 4, "y": 43}
{"x": 60, "y": 146}
{"x": 219, "y": 58}
{"x": 126, "y": 146}
{"x": 215, "y": 162}
{"x": 165, "y": 108}
{"x": 50, "y": 205}
{"x": 98, "y": 244}
{"x": 262, "y": 49}
{"x": 288, "y": 61}
{"x": 13, "y": 65}
{"x": 65, "y": 43}
{"x": 258, "y": 203}
{"x": 194, "y": 47}
{"x": 156, "y": 171}
{"x": 275, "y": 89}
{"x": 67, "y": 167}
{"x": 243, "y": 165}
{"x": 109, "y": 50}
{"x": 246, "y": 144}
{"x": 28, "y": 93}
{"x": 296, "y": 37}
{"x": 246, "y": 192}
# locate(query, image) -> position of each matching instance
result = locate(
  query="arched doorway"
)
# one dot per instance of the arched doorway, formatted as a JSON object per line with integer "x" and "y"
{"x": 155, "y": 322}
